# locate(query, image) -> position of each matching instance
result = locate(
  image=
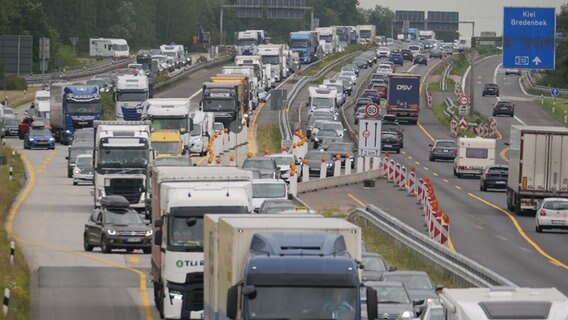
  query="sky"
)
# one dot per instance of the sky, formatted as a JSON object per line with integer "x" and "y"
{"x": 486, "y": 14}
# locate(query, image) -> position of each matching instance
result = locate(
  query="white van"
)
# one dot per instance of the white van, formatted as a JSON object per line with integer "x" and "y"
{"x": 201, "y": 132}
{"x": 42, "y": 103}
{"x": 263, "y": 189}
{"x": 473, "y": 155}
{"x": 7, "y": 112}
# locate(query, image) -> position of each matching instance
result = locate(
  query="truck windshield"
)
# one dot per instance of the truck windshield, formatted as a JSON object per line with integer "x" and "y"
{"x": 246, "y": 42}
{"x": 327, "y": 38}
{"x": 76, "y": 108}
{"x": 170, "y": 123}
{"x": 121, "y": 157}
{"x": 132, "y": 96}
{"x": 303, "y": 303}
{"x": 299, "y": 43}
{"x": 365, "y": 34}
{"x": 322, "y": 102}
{"x": 215, "y": 105}
{"x": 166, "y": 147}
{"x": 270, "y": 60}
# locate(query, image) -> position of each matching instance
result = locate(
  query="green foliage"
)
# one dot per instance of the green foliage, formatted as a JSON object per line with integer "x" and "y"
{"x": 558, "y": 110}
{"x": 382, "y": 18}
{"x": 14, "y": 82}
{"x": 68, "y": 57}
{"x": 559, "y": 77}
{"x": 108, "y": 106}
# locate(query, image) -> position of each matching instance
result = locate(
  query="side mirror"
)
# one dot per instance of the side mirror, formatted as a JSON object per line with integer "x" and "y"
{"x": 372, "y": 304}
{"x": 417, "y": 302}
{"x": 430, "y": 145}
{"x": 67, "y": 158}
{"x": 158, "y": 237}
{"x": 183, "y": 151}
{"x": 158, "y": 223}
{"x": 232, "y": 301}
{"x": 392, "y": 268}
{"x": 439, "y": 287}
{"x": 290, "y": 196}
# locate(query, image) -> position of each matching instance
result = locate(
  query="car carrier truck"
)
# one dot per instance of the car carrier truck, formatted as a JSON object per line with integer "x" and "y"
{"x": 180, "y": 198}
{"x": 282, "y": 268}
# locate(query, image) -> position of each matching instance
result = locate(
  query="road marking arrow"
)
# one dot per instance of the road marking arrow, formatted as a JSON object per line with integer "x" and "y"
{"x": 536, "y": 60}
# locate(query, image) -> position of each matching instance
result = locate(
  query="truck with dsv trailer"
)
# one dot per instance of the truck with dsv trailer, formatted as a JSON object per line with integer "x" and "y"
{"x": 403, "y": 96}
{"x": 73, "y": 107}
{"x": 538, "y": 166}
{"x": 180, "y": 198}
{"x": 283, "y": 268}
{"x": 121, "y": 157}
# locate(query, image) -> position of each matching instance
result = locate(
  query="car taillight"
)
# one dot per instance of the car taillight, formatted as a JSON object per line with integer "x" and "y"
{"x": 542, "y": 212}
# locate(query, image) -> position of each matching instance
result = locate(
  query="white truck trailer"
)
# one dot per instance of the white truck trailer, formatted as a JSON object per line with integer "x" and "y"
{"x": 504, "y": 303}
{"x": 42, "y": 103}
{"x": 329, "y": 35}
{"x": 366, "y": 33}
{"x": 180, "y": 198}
{"x": 273, "y": 55}
{"x": 256, "y": 90}
{"x": 169, "y": 113}
{"x": 130, "y": 92}
{"x": 261, "y": 71}
{"x": 281, "y": 267}
{"x": 121, "y": 157}
{"x": 538, "y": 166}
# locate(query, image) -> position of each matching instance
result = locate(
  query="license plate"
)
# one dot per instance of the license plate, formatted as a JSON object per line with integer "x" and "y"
{"x": 445, "y": 150}
{"x": 133, "y": 239}
{"x": 500, "y": 182}
{"x": 403, "y": 113}
{"x": 388, "y": 145}
{"x": 557, "y": 221}
{"x": 42, "y": 142}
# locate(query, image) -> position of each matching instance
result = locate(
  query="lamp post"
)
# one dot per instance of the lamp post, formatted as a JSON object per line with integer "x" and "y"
{"x": 472, "y": 77}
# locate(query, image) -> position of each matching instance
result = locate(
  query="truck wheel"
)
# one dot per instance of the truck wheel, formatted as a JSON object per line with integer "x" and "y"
{"x": 510, "y": 206}
{"x": 104, "y": 245}
{"x": 86, "y": 245}
{"x": 518, "y": 210}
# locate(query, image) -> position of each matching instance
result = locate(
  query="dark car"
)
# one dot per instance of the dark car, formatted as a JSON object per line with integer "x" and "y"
{"x": 377, "y": 76}
{"x": 381, "y": 89}
{"x": 490, "y": 89}
{"x": 39, "y": 137}
{"x": 443, "y": 150}
{"x": 406, "y": 54}
{"x": 397, "y": 58}
{"x": 437, "y": 53}
{"x": 361, "y": 63}
{"x": 418, "y": 284}
{"x": 393, "y": 300}
{"x": 494, "y": 177}
{"x": 388, "y": 125}
{"x": 504, "y": 107}
{"x": 266, "y": 166}
{"x": 373, "y": 95}
{"x": 345, "y": 150}
{"x": 324, "y": 134}
{"x": 390, "y": 141}
{"x": 74, "y": 150}
{"x": 420, "y": 59}
{"x": 314, "y": 160}
{"x": 374, "y": 266}
{"x": 116, "y": 226}
{"x": 8, "y": 127}
{"x": 361, "y": 103}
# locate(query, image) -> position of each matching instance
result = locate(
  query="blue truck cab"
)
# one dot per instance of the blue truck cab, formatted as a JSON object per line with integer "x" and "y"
{"x": 299, "y": 276}
{"x": 73, "y": 107}
{"x": 306, "y": 44}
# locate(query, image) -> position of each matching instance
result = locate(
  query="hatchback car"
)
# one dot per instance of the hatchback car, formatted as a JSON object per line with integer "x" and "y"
{"x": 116, "y": 226}
{"x": 516, "y": 71}
{"x": 384, "y": 69}
{"x": 324, "y": 134}
{"x": 552, "y": 214}
{"x": 443, "y": 150}
{"x": 437, "y": 53}
{"x": 418, "y": 284}
{"x": 374, "y": 266}
{"x": 383, "y": 52}
{"x": 83, "y": 169}
{"x": 381, "y": 89}
{"x": 490, "y": 89}
{"x": 504, "y": 107}
{"x": 494, "y": 177}
{"x": 267, "y": 167}
{"x": 397, "y": 58}
{"x": 39, "y": 137}
{"x": 8, "y": 127}
{"x": 314, "y": 160}
{"x": 406, "y": 54}
{"x": 390, "y": 141}
{"x": 420, "y": 59}
{"x": 372, "y": 94}
{"x": 393, "y": 126}
{"x": 392, "y": 298}
{"x": 74, "y": 150}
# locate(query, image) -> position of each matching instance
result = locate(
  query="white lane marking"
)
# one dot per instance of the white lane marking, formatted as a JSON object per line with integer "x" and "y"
{"x": 410, "y": 69}
{"x": 468, "y": 68}
{"x": 495, "y": 73}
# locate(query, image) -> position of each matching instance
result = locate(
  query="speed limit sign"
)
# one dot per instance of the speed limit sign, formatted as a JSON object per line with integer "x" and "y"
{"x": 372, "y": 110}
{"x": 463, "y": 100}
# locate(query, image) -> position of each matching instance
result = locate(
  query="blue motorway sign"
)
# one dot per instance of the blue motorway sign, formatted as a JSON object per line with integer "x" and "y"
{"x": 529, "y": 38}
{"x": 554, "y": 92}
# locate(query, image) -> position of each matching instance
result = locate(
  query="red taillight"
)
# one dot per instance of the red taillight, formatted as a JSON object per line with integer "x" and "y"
{"x": 542, "y": 212}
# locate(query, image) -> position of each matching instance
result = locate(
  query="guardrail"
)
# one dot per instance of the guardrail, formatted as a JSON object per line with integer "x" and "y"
{"x": 88, "y": 70}
{"x": 445, "y": 74}
{"x": 531, "y": 83}
{"x": 463, "y": 270}
{"x": 332, "y": 182}
{"x": 193, "y": 68}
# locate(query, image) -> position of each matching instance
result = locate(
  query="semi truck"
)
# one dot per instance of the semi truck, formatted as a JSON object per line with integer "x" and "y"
{"x": 260, "y": 70}
{"x": 538, "y": 166}
{"x": 329, "y": 35}
{"x": 222, "y": 99}
{"x": 180, "y": 198}
{"x": 169, "y": 113}
{"x": 244, "y": 97}
{"x": 343, "y": 36}
{"x": 366, "y": 33}
{"x": 129, "y": 93}
{"x": 108, "y": 48}
{"x": 504, "y": 303}
{"x": 41, "y": 103}
{"x": 122, "y": 153}
{"x": 72, "y": 107}
{"x": 273, "y": 55}
{"x": 246, "y": 42}
{"x": 248, "y": 71}
{"x": 403, "y": 96}
{"x": 305, "y": 43}
{"x": 282, "y": 267}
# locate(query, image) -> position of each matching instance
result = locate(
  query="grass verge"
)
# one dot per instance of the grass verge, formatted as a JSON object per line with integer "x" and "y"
{"x": 19, "y": 97}
{"x": 393, "y": 253}
{"x": 558, "y": 112}
{"x": 108, "y": 106}
{"x": 475, "y": 117}
{"x": 15, "y": 276}
{"x": 268, "y": 138}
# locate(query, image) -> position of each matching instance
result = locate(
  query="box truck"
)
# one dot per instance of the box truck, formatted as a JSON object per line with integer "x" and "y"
{"x": 403, "y": 97}
{"x": 538, "y": 166}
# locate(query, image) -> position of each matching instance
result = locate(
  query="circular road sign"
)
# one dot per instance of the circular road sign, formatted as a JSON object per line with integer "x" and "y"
{"x": 464, "y": 100}
{"x": 554, "y": 92}
{"x": 366, "y": 133}
{"x": 372, "y": 110}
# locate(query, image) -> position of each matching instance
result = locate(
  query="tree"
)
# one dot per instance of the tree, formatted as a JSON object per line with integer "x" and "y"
{"x": 382, "y": 18}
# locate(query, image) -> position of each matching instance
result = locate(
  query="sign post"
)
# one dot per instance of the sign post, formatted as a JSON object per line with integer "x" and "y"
{"x": 529, "y": 38}
{"x": 554, "y": 92}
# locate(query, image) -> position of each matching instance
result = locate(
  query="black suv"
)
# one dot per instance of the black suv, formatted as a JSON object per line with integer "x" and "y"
{"x": 372, "y": 94}
{"x": 116, "y": 226}
{"x": 420, "y": 59}
{"x": 490, "y": 89}
{"x": 406, "y": 54}
{"x": 494, "y": 177}
{"x": 504, "y": 107}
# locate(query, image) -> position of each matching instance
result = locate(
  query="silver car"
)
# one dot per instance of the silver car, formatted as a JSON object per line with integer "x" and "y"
{"x": 83, "y": 169}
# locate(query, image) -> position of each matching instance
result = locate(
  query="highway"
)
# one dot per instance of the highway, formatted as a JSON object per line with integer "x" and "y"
{"x": 481, "y": 226}
{"x": 70, "y": 283}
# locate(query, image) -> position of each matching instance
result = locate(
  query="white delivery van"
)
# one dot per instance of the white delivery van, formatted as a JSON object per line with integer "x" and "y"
{"x": 264, "y": 189}
{"x": 473, "y": 155}
{"x": 201, "y": 132}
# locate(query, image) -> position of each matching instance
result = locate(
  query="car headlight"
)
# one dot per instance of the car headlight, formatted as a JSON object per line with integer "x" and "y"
{"x": 77, "y": 170}
{"x": 111, "y": 232}
{"x": 407, "y": 315}
{"x": 31, "y": 139}
{"x": 316, "y": 139}
{"x": 51, "y": 139}
{"x": 329, "y": 164}
{"x": 149, "y": 232}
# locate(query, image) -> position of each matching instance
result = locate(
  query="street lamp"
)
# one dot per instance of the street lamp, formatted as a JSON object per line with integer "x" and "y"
{"x": 472, "y": 78}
